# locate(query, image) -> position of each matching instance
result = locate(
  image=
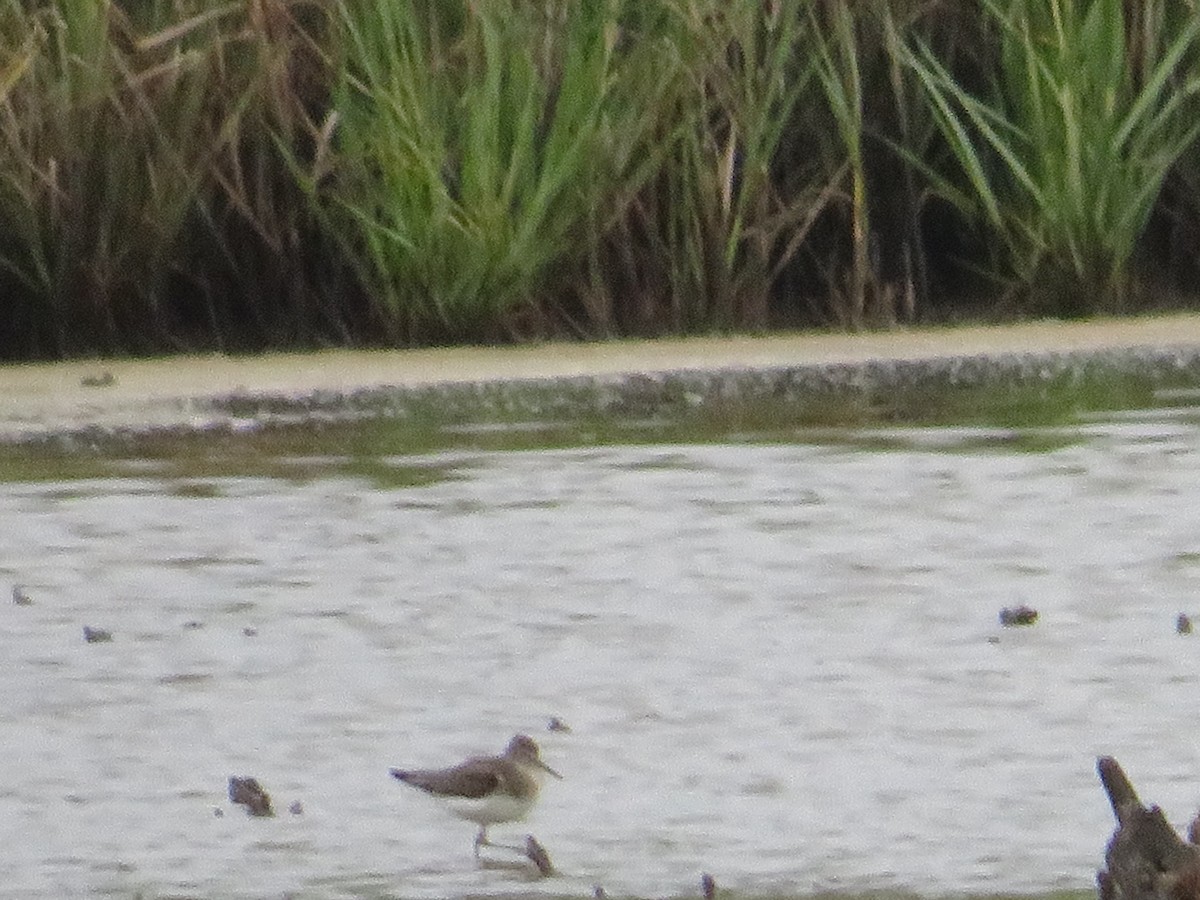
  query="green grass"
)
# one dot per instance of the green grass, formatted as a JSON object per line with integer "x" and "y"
{"x": 1064, "y": 153}
{"x": 475, "y": 149}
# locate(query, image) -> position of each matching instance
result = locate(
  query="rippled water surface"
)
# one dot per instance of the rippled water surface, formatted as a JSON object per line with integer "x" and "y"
{"x": 780, "y": 664}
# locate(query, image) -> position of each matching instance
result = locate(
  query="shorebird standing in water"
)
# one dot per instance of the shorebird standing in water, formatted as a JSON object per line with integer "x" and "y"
{"x": 487, "y": 790}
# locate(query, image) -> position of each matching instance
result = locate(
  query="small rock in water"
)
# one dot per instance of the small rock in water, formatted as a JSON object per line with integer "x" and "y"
{"x": 249, "y": 631}
{"x": 598, "y": 892}
{"x": 96, "y": 635}
{"x": 192, "y": 625}
{"x": 557, "y": 724}
{"x": 538, "y": 855}
{"x": 1183, "y": 624}
{"x": 1018, "y": 615}
{"x": 250, "y": 794}
{"x": 708, "y": 886}
{"x": 296, "y": 808}
{"x": 20, "y": 596}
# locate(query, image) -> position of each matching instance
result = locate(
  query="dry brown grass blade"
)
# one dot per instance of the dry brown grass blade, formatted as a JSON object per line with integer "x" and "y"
{"x": 180, "y": 30}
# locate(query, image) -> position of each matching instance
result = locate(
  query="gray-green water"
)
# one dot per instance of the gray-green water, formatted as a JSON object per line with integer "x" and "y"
{"x": 780, "y": 662}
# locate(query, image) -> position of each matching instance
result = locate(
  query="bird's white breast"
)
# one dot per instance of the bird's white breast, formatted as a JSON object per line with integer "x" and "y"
{"x": 490, "y": 810}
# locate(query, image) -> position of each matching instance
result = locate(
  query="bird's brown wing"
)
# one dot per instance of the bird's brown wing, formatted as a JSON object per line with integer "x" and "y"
{"x": 461, "y": 781}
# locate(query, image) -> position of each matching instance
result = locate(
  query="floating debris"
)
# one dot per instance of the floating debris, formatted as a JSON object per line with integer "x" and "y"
{"x": 218, "y": 812}
{"x": 192, "y": 625}
{"x": 1183, "y": 624}
{"x": 104, "y": 379}
{"x": 96, "y": 635}
{"x": 708, "y": 886}
{"x": 538, "y": 856}
{"x": 250, "y": 794}
{"x": 1018, "y": 615}
{"x": 557, "y": 724}
{"x": 249, "y": 631}
{"x": 20, "y": 596}
{"x": 296, "y": 808}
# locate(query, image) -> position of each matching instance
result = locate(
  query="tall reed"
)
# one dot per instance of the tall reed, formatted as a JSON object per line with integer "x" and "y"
{"x": 260, "y": 269}
{"x": 1175, "y": 223}
{"x": 95, "y": 190}
{"x": 706, "y": 237}
{"x": 840, "y": 70}
{"x": 1063, "y": 153}
{"x": 143, "y": 204}
{"x": 475, "y": 145}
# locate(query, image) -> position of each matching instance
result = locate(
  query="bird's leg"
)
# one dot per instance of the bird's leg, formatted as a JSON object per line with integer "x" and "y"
{"x": 481, "y": 840}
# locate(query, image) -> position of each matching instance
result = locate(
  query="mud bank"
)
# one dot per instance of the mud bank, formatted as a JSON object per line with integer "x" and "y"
{"x": 622, "y": 377}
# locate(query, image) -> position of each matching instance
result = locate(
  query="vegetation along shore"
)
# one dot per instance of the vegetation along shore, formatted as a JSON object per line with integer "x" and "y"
{"x": 283, "y": 174}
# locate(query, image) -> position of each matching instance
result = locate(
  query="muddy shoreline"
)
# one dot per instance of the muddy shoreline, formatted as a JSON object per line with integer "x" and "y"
{"x": 629, "y": 377}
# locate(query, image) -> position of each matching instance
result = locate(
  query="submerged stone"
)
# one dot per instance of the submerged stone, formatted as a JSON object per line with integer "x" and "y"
{"x": 246, "y": 791}
{"x": 1018, "y": 615}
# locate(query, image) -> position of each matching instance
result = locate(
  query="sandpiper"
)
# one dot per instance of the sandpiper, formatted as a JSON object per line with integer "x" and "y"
{"x": 487, "y": 790}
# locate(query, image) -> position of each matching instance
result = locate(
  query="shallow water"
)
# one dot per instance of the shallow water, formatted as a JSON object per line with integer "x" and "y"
{"x": 780, "y": 663}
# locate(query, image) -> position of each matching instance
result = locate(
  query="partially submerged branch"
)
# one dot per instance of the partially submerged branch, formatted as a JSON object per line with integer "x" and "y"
{"x": 1145, "y": 858}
